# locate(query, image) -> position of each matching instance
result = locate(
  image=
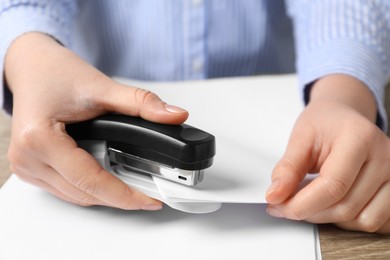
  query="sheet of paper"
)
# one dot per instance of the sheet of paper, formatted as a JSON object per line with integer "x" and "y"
{"x": 251, "y": 119}
{"x": 36, "y": 225}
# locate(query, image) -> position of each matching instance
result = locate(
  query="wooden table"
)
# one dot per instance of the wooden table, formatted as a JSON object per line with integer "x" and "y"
{"x": 335, "y": 243}
{"x": 5, "y": 132}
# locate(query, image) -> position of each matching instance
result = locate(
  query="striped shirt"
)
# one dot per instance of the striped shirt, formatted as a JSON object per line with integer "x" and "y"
{"x": 170, "y": 40}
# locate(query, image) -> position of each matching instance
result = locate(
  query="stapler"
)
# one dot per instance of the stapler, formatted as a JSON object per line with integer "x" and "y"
{"x": 179, "y": 153}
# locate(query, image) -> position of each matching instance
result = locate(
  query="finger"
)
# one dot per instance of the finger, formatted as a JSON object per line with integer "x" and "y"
{"x": 47, "y": 178}
{"x": 337, "y": 174}
{"x": 362, "y": 191}
{"x": 45, "y": 186}
{"x": 29, "y": 167}
{"x": 60, "y": 185}
{"x": 140, "y": 102}
{"x": 292, "y": 168}
{"x": 375, "y": 216}
{"x": 81, "y": 170}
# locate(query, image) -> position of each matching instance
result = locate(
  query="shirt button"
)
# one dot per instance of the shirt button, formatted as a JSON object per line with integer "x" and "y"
{"x": 197, "y": 65}
{"x": 196, "y": 3}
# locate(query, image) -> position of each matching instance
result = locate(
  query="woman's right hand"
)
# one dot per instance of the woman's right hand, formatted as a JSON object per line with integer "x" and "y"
{"x": 51, "y": 87}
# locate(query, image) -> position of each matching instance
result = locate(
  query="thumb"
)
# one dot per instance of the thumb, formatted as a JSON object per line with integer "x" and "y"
{"x": 135, "y": 101}
{"x": 291, "y": 169}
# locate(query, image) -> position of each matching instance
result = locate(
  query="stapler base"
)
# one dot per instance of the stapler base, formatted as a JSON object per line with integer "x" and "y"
{"x": 143, "y": 182}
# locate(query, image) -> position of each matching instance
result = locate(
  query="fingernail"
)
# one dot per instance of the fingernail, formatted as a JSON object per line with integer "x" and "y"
{"x": 152, "y": 207}
{"x": 274, "y": 212}
{"x": 174, "y": 109}
{"x": 274, "y": 185}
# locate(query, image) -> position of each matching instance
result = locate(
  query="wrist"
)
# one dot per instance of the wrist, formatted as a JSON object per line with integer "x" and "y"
{"x": 345, "y": 90}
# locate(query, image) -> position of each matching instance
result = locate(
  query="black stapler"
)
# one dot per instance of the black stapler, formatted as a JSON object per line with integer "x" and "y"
{"x": 179, "y": 153}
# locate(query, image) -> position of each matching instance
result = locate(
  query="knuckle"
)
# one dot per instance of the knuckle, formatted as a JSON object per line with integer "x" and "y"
{"x": 29, "y": 138}
{"x": 372, "y": 223}
{"x": 298, "y": 212}
{"x": 369, "y": 130}
{"x": 144, "y": 96}
{"x": 359, "y": 133}
{"x": 29, "y": 135}
{"x": 282, "y": 167}
{"x": 346, "y": 212}
{"x": 18, "y": 160}
{"x": 336, "y": 189}
{"x": 87, "y": 185}
{"x": 285, "y": 167}
{"x": 370, "y": 226}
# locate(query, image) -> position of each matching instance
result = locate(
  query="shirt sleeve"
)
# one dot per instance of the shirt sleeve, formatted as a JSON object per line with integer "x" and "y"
{"x": 343, "y": 36}
{"x": 20, "y": 16}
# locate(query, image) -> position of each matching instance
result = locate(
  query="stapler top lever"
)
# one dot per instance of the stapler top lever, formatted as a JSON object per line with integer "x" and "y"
{"x": 176, "y": 152}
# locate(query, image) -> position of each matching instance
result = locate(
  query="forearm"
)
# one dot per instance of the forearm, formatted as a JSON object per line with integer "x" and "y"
{"x": 28, "y": 51}
{"x": 36, "y": 64}
{"x": 331, "y": 41}
{"x": 19, "y": 17}
{"x": 345, "y": 90}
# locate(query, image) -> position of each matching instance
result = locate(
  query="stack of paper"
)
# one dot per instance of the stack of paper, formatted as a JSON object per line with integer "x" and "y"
{"x": 251, "y": 119}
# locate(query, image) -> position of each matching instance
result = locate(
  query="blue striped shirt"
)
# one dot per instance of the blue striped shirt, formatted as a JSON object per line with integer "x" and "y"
{"x": 169, "y": 40}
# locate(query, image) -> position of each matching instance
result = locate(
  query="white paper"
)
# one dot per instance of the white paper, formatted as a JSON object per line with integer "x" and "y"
{"x": 251, "y": 119}
{"x": 36, "y": 225}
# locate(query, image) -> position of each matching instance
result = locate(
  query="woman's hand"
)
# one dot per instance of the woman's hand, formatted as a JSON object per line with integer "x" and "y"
{"x": 336, "y": 137}
{"x": 51, "y": 87}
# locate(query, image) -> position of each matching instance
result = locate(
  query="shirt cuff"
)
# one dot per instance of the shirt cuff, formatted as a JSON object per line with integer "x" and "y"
{"x": 345, "y": 56}
{"x": 21, "y": 19}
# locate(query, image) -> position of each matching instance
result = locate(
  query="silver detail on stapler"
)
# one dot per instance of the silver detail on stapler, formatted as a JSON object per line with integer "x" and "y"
{"x": 144, "y": 166}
